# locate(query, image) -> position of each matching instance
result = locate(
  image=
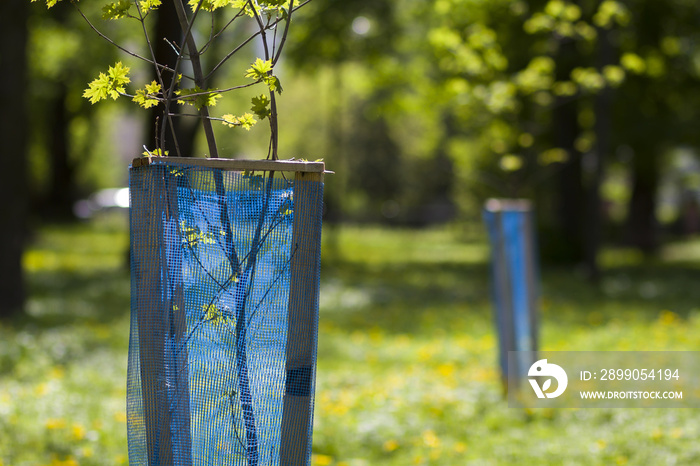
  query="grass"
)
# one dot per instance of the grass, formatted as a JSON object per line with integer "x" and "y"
{"x": 407, "y": 353}
{"x": 63, "y": 365}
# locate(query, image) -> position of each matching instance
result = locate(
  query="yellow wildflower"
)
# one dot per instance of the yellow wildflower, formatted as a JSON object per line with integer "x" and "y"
{"x": 55, "y": 423}
{"x": 390, "y": 445}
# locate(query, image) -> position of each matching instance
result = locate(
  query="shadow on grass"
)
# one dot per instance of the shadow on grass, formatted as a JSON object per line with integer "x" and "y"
{"x": 69, "y": 298}
{"x": 411, "y": 297}
{"x": 644, "y": 289}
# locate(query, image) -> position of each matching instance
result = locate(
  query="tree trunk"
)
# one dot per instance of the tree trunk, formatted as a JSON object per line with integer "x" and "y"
{"x": 642, "y": 226}
{"x": 562, "y": 237}
{"x": 61, "y": 196}
{"x": 595, "y": 170}
{"x": 168, "y": 26}
{"x": 571, "y": 200}
{"x": 13, "y": 136}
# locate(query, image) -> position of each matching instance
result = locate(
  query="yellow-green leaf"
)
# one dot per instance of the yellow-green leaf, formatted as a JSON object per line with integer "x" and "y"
{"x": 261, "y": 106}
{"x": 148, "y": 97}
{"x": 245, "y": 121}
{"x": 116, "y": 10}
{"x": 198, "y": 97}
{"x": 108, "y": 85}
{"x": 259, "y": 69}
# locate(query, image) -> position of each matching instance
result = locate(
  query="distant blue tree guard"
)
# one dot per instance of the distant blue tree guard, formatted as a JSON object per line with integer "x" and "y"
{"x": 224, "y": 311}
{"x": 514, "y": 281}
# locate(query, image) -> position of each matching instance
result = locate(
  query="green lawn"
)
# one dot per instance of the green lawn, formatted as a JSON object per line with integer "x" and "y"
{"x": 406, "y": 368}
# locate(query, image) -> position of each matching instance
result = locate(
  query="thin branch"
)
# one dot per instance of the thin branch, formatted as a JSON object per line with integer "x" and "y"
{"x": 284, "y": 34}
{"x": 197, "y": 69}
{"x": 273, "y": 103}
{"x": 262, "y": 29}
{"x": 198, "y": 116}
{"x": 205, "y": 47}
{"x": 173, "y": 46}
{"x": 274, "y": 138}
{"x": 218, "y": 91}
{"x": 125, "y": 50}
{"x": 231, "y": 53}
{"x": 244, "y": 43}
{"x": 169, "y": 121}
{"x": 215, "y": 36}
{"x": 274, "y": 33}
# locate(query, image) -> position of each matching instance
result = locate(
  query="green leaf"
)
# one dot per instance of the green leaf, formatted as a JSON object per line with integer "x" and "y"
{"x": 154, "y": 153}
{"x": 588, "y": 78}
{"x": 213, "y": 314}
{"x": 610, "y": 12}
{"x": 255, "y": 181}
{"x": 206, "y": 5}
{"x": 116, "y": 10}
{"x": 511, "y": 162}
{"x": 198, "y": 97}
{"x": 108, "y": 85}
{"x": 633, "y": 63}
{"x": 245, "y": 121}
{"x": 148, "y": 97}
{"x": 211, "y": 5}
{"x": 259, "y": 70}
{"x": 220, "y": 3}
{"x": 614, "y": 75}
{"x": 271, "y": 3}
{"x": 273, "y": 83}
{"x": 49, "y": 3}
{"x": 153, "y": 88}
{"x": 261, "y": 106}
{"x": 148, "y": 5}
{"x": 307, "y": 160}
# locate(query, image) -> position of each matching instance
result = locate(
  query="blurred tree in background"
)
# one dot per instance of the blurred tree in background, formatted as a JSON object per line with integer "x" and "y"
{"x": 62, "y": 58}
{"x": 424, "y": 109}
{"x": 13, "y": 134}
{"x": 534, "y": 99}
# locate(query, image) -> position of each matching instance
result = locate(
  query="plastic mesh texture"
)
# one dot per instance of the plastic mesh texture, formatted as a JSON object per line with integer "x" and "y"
{"x": 224, "y": 316}
{"x": 514, "y": 279}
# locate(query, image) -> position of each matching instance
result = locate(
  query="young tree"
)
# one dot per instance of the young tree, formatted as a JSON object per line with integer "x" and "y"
{"x": 177, "y": 84}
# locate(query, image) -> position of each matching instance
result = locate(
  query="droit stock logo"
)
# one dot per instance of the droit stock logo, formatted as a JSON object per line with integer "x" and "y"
{"x": 542, "y": 368}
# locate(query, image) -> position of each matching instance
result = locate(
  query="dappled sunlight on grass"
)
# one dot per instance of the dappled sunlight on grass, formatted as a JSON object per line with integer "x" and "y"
{"x": 407, "y": 354}
{"x": 407, "y": 357}
{"x": 74, "y": 248}
{"x": 375, "y": 245}
{"x": 63, "y": 365}
{"x": 685, "y": 251}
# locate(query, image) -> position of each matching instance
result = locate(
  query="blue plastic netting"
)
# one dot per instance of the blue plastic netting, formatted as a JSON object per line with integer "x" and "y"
{"x": 224, "y": 316}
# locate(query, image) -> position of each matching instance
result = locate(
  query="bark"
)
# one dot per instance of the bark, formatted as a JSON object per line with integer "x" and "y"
{"x": 168, "y": 26}
{"x": 199, "y": 80}
{"x": 13, "y": 134}
{"x": 642, "y": 226}
{"x": 61, "y": 196}
{"x": 561, "y": 198}
{"x": 596, "y": 167}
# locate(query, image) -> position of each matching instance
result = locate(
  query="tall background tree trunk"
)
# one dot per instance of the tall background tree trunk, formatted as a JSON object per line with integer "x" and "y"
{"x": 595, "y": 170}
{"x": 562, "y": 229}
{"x": 651, "y": 132}
{"x": 642, "y": 227}
{"x": 13, "y": 145}
{"x": 61, "y": 192}
{"x": 168, "y": 26}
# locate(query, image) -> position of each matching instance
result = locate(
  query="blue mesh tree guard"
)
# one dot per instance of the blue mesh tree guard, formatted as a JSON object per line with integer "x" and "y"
{"x": 225, "y": 268}
{"x": 514, "y": 280}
